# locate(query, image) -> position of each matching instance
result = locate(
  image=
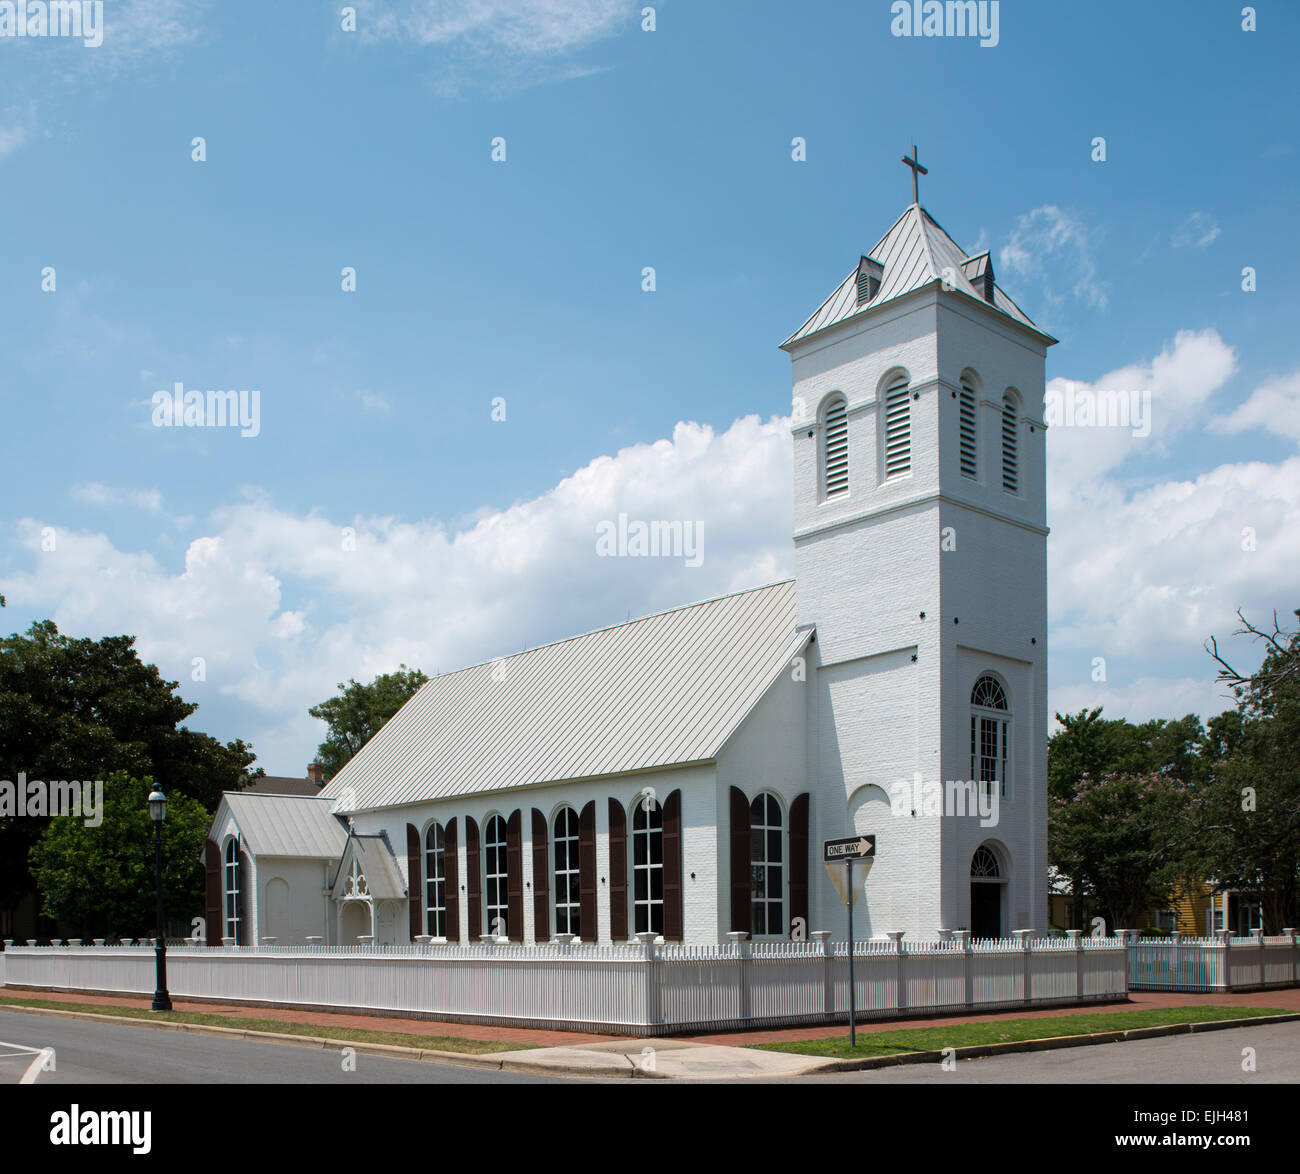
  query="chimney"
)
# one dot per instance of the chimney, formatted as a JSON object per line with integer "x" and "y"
{"x": 316, "y": 773}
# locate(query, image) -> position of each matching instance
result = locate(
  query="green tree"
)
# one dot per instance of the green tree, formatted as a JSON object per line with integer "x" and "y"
{"x": 1250, "y": 811}
{"x": 359, "y": 712}
{"x": 1124, "y": 836}
{"x": 100, "y": 880}
{"x": 81, "y": 709}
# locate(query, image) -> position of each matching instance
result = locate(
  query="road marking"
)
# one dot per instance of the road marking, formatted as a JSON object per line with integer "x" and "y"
{"x": 40, "y": 1057}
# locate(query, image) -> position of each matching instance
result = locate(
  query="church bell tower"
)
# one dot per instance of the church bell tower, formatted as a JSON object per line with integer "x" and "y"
{"x": 921, "y": 559}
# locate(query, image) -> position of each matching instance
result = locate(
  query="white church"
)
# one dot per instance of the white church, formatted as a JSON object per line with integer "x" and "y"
{"x": 677, "y": 774}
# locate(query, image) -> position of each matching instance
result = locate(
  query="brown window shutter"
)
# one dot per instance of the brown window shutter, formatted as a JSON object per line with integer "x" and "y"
{"x": 514, "y": 877}
{"x": 741, "y": 913}
{"x": 212, "y": 902}
{"x": 587, "y": 872}
{"x": 246, "y": 936}
{"x": 799, "y": 860}
{"x": 617, "y": 872}
{"x": 473, "y": 882}
{"x": 451, "y": 863}
{"x": 672, "y": 825}
{"x": 541, "y": 880}
{"x": 413, "y": 886}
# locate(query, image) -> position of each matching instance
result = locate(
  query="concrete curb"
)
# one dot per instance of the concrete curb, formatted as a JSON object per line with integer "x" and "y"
{"x": 392, "y": 1051}
{"x": 980, "y": 1051}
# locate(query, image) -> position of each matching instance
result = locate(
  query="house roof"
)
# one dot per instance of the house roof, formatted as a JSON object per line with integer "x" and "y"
{"x": 654, "y": 692}
{"x": 280, "y": 785}
{"x": 286, "y": 825}
{"x": 913, "y": 253}
{"x": 375, "y": 861}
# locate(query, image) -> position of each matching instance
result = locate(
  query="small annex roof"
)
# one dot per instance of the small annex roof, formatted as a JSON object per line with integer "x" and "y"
{"x": 285, "y": 825}
{"x": 369, "y": 856}
{"x": 654, "y": 692}
{"x": 913, "y": 253}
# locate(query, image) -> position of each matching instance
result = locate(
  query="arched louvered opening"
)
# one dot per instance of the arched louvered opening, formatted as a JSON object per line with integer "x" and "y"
{"x": 1010, "y": 445}
{"x": 898, "y": 429}
{"x": 835, "y": 447}
{"x": 435, "y": 881}
{"x": 990, "y": 736}
{"x": 966, "y": 424}
{"x": 568, "y": 898}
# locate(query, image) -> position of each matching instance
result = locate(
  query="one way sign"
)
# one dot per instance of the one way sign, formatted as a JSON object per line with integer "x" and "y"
{"x": 850, "y": 848}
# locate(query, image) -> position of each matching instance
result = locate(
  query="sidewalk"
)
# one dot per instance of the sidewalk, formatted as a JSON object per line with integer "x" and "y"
{"x": 1287, "y": 999}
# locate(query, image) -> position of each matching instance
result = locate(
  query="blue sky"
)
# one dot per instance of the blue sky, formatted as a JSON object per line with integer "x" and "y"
{"x": 475, "y": 279}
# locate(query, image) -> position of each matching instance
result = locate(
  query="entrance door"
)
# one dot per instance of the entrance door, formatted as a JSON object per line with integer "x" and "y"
{"x": 985, "y": 910}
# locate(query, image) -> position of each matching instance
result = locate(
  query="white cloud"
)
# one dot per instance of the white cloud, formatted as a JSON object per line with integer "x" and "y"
{"x": 1198, "y": 231}
{"x": 417, "y": 592}
{"x": 1274, "y": 407}
{"x": 93, "y": 493}
{"x": 1050, "y": 246}
{"x": 372, "y": 401}
{"x": 502, "y": 44}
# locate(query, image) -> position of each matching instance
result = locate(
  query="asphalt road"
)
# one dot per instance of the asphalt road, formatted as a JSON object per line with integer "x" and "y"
{"x": 107, "y": 1053}
{"x": 95, "y": 1053}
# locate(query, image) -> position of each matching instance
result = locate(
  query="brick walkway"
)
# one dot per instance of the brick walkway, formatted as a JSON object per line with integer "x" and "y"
{"x": 1285, "y": 999}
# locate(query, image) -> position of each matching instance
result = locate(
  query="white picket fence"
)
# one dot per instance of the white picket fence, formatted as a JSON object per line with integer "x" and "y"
{"x": 1220, "y": 963}
{"x": 639, "y": 988}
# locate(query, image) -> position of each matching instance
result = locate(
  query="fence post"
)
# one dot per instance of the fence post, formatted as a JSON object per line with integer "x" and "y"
{"x": 1022, "y": 937}
{"x": 823, "y": 938}
{"x": 968, "y": 977}
{"x": 1076, "y": 943}
{"x": 1258, "y": 935}
{"x": 1225, "y": 960}
{"x": 1295, "y": 956}
{"x": 900, "y": 965}
{"x": 739, "y": 939}
{"x": 653, "y": 989}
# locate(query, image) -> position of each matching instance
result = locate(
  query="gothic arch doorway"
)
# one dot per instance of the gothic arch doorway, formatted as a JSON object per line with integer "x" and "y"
{"x": 987, "y": 885}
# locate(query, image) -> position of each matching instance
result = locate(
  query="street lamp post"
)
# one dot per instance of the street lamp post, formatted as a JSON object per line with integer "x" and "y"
{"x": 158, "y": 812}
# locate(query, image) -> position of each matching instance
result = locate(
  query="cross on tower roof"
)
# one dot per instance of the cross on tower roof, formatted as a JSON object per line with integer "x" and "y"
{"x": 915, "y": 165}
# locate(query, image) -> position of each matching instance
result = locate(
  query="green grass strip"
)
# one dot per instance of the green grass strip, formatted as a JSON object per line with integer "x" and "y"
{"x": 356, "y": 1035}
{"x": 998, "y": 1031}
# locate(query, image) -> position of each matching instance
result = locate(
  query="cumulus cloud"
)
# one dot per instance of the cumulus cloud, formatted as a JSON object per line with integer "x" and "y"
{"x": 370, "y": 593}
{"x": 1198, "y": 231}
{"x": 1050, "y": 247}
{"x": 1274, "y": 407}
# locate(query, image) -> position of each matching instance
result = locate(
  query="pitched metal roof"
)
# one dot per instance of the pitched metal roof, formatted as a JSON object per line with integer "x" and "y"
{"x": 914, "y": 252}
{"x": 654, "y": 692}
{"x": 286, "y": 825}
{"x": 375, "y": 861}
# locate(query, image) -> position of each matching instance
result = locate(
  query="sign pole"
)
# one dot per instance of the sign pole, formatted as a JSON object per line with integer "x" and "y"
{"x": 853, "y": 990}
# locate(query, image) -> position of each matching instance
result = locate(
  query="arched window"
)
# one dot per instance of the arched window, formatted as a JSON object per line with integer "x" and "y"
{"x": 835, "y": 447}
{"x": 494, "y": 876}
{"x": 567, "y": 894}
{"x": 766, "y": 867}
{"x": 232, "y": 889}
{"x": 647, "y": 868}
{"x": 435, "y": 882}
{"x": 967, "y": 416}
{"x": 1010, "y": 445}
{"x": 897, "y": 454}
{"x": 989, "y": 736}
{"x": 984, "y": 865}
